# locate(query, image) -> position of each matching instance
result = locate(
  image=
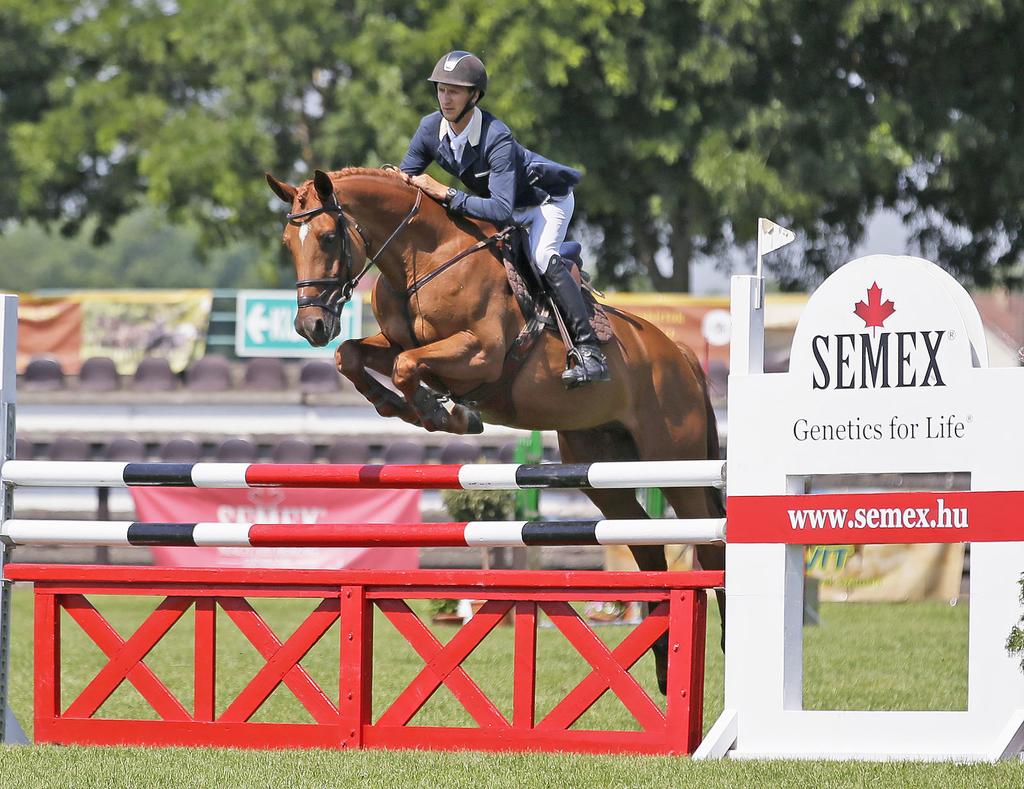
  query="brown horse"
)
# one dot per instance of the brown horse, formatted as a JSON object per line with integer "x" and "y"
{"x": 452, "y": 332}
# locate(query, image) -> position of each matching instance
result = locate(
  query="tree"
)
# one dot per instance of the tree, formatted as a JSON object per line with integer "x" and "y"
{"x": 180, "y": 104}
{"x": 144, "y": 251}
{"x": 950, "y": 73}
{"x": 689, "y": 119}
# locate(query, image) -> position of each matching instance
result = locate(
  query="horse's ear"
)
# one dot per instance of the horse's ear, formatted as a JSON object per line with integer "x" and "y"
{"x": 283, "y": 190}
{"x": 324, "y": 185}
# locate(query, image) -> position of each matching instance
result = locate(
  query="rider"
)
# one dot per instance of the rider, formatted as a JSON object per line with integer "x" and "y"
{"x": 506, "y": 183}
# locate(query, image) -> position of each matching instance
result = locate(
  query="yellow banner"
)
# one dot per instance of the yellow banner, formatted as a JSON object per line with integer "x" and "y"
{"x": 126, "y": 325}
{"x": 886, "y": 573}
{"x": 853, "y": 573}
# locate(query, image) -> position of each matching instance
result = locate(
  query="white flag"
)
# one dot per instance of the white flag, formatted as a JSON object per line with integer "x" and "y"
{"x": 771, "y": 236}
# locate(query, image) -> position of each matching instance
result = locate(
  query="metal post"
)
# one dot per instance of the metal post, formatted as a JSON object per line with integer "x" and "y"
{"x": 10, "y": 730}
{"x": 529, "y": 450}
{"x": 653, "y": 500}
{"x": 102, "y": 514}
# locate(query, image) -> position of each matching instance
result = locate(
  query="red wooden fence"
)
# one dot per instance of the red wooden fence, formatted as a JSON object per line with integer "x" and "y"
{"x": 345, "y": 719}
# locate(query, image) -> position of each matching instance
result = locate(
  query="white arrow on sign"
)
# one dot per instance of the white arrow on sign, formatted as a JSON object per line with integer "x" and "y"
{"x": 257, "y": 323}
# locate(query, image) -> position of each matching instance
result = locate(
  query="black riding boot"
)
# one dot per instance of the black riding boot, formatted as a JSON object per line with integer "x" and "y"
{"x": 590, "y": 362}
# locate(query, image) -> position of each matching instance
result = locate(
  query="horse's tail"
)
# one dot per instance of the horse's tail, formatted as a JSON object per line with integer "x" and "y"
{"x": 715, "y": 501}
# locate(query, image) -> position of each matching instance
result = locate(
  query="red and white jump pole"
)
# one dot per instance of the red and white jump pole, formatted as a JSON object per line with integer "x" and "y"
{"x": 482, "y": 534}
{"x": 510, "y": 476}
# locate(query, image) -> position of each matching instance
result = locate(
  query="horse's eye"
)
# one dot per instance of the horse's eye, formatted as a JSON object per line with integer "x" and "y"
{"x": 328, "y": 238}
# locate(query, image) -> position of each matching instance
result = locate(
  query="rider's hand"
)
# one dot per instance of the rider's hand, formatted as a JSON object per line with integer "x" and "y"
{"x": 430, "y": 186}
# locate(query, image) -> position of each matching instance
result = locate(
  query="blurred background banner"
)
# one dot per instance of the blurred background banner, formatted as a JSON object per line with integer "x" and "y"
{"x": 124, "y": 325}
{"x": 50, "y": 327}
{"x": 853, "y": 573}
{"x": 280, "y": 505}
{"x": 679, "y": 316}
{"x": 886, "y": 573}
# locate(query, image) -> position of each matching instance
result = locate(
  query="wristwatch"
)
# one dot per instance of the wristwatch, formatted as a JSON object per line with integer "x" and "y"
{"x": 450, "y": 195}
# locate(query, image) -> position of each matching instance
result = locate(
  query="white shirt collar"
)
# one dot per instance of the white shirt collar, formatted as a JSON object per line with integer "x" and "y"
{"x": 472, "y": 131}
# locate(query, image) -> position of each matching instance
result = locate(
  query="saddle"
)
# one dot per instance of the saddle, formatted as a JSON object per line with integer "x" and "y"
{"x": 531, "y": 293}
{"x": 535, "y": 304}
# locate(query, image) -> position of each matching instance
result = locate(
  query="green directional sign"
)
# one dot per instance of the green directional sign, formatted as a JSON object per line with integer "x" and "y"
{"x": 265, "y": 325}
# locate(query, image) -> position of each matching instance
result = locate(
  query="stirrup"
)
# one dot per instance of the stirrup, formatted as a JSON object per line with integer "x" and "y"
{"x": 590, "y": 365}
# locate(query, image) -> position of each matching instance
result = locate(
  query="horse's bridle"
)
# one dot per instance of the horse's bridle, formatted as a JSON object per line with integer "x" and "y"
{"x": 334, "y": 292}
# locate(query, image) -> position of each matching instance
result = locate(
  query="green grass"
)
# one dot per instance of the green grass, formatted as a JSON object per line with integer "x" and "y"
{"x": 845, "y": 668}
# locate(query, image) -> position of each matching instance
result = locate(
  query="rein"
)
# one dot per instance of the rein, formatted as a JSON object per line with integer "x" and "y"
{"x": 497, "y": 238}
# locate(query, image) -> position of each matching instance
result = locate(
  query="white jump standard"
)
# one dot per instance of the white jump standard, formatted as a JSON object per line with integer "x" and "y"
{"x": 885, "y": 341}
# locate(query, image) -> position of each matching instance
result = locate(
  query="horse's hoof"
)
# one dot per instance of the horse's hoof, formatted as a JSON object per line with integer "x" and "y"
{"x": 383, "y": 409}
{"x": 474, "y": 424}
{"x": 437, "y": 421}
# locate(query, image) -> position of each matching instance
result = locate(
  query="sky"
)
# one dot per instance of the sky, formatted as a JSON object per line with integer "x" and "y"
{"x": 885, "y": 234}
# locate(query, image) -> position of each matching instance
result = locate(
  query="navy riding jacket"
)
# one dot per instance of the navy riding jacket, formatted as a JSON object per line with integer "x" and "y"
{"x": 500, "y": 174}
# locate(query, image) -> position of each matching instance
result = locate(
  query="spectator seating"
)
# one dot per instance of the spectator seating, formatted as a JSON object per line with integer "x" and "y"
{"x": 125, "y": 449}
{"x": 292, "y": 450}
{"x": 209, "y": 374}
{"x": 99, "y": 374}
{"x": 459, "y": 452}
{"x": 154, "y": 374}
{"x": 265, "y": 374}
{"x": 319, "y": 375}
{"x": 235, "y": 450}
{"x": 348, "y": 450}
{"x": 405, "y": 453}
{"x": 23, "y": 449}
{"x": 180, "y": 450}
{"x": 68, "y": 448}
{"x": 42, "y": 374}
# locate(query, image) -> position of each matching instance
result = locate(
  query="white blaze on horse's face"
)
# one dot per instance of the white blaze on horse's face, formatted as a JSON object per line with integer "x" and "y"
{"x": 303, "y": 232}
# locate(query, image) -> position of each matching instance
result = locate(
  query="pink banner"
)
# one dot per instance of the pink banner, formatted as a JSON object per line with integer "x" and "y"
{"x": 280, "y": 505}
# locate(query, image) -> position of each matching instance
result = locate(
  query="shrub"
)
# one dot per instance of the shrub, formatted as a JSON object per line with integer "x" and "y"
{"x": 474, "y": 505}
{"x": 480, "y": 505}
{"x": 1015, "y": 643}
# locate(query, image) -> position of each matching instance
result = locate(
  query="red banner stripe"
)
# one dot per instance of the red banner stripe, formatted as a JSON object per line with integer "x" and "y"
{"x": 877, "y": 518}
{"x": 311, "y": 475}
{"x": 340, "y": 535}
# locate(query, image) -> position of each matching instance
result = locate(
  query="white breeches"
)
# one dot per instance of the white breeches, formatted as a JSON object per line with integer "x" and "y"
{"x": 548, "y": 223}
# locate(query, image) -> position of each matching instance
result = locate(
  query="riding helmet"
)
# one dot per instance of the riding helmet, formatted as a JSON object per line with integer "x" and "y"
{"x": 461, "y": 68}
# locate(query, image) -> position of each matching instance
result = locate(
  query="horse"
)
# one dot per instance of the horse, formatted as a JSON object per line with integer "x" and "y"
{"x": 448, "y": 319}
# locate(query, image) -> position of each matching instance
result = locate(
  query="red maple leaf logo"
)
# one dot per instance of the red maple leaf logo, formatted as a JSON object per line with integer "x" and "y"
{"x": 875, "y": 311}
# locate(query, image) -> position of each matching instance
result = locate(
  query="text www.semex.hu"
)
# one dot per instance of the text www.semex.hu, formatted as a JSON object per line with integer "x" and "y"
{"x": 938, "y": 516}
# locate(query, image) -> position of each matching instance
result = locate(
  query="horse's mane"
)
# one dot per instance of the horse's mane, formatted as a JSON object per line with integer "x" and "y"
{"x": 306, "y": 189}
{"x": 303, "y": 191}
